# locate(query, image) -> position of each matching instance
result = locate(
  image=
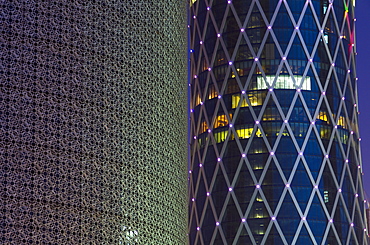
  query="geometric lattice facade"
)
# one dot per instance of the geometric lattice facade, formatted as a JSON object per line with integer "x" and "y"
{"x": 275, "y": 151}
{"x": 93, "y": 122}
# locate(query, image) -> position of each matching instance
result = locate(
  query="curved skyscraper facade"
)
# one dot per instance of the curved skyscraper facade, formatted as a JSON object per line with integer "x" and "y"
{"x": 93, "y": 122}
{"x": 275, "y": 155}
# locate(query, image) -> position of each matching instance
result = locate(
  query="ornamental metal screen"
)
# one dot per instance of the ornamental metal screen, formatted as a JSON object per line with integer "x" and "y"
{"x": 93, "y": 125}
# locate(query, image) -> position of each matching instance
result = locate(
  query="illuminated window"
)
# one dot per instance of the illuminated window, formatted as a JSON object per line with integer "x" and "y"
{"x": 342, "y": 122}
{"x": 325, "y": 132}
{"x": 197, "y": 100}
{"x": 326, "y": 196}
{"x": 323, "y": 116}
{"x": 344, "y": 138}
{"x": 221, "y": 121}
{"x": 259, "y": 199}
{"x": 284, "y": 82}
{"x": 325, "y": 7}
{"x": 203, "y": 127}
{"x": 326, "y": 38}
{"x": 220, "y": 136}
{"x": 235, "y": 101}
{"x": 258, "y": 167}
{"x": 258, "y": 71}
{"x": 255, "y": 21}
{"x": 246, "y": 133}
{"x": 259, "y": 213}
{"x": 343, "y": 135}
{"x": 253, "y": 99}
{"x": 202, "y": 140}
{"x": 204, "y": 64}
{"x": 239, "y": 71}
{"x": 261, "y": 231}
{"x": 212, "y": 93}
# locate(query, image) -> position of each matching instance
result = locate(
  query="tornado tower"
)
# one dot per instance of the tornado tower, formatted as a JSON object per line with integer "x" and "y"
{"x": 93, "y": 125}
{"x": 275, "y": 151}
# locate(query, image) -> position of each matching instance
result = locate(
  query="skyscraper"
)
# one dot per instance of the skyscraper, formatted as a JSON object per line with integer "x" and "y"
{"x": 93, "y": 122}
{"x": 275, "y": 155}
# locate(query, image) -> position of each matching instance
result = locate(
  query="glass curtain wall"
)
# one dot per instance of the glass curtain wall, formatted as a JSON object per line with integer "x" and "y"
{"x": 275, "y": 144}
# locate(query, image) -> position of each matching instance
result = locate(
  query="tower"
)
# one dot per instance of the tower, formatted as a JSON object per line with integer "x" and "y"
{"x": 275, "y": 154}
{"x": 93, "y": 125}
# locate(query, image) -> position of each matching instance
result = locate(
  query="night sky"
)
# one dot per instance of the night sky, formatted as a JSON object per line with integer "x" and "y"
{"x": 363, "y": 73}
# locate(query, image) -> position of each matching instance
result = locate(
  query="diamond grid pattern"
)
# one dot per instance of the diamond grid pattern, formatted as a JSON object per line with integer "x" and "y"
{"x": 275, "y": 150}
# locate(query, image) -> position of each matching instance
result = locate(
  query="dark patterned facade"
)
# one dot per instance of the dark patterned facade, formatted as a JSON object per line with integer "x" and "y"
{"x": 275, "y": 155}
{"x": 93, "y": 122}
